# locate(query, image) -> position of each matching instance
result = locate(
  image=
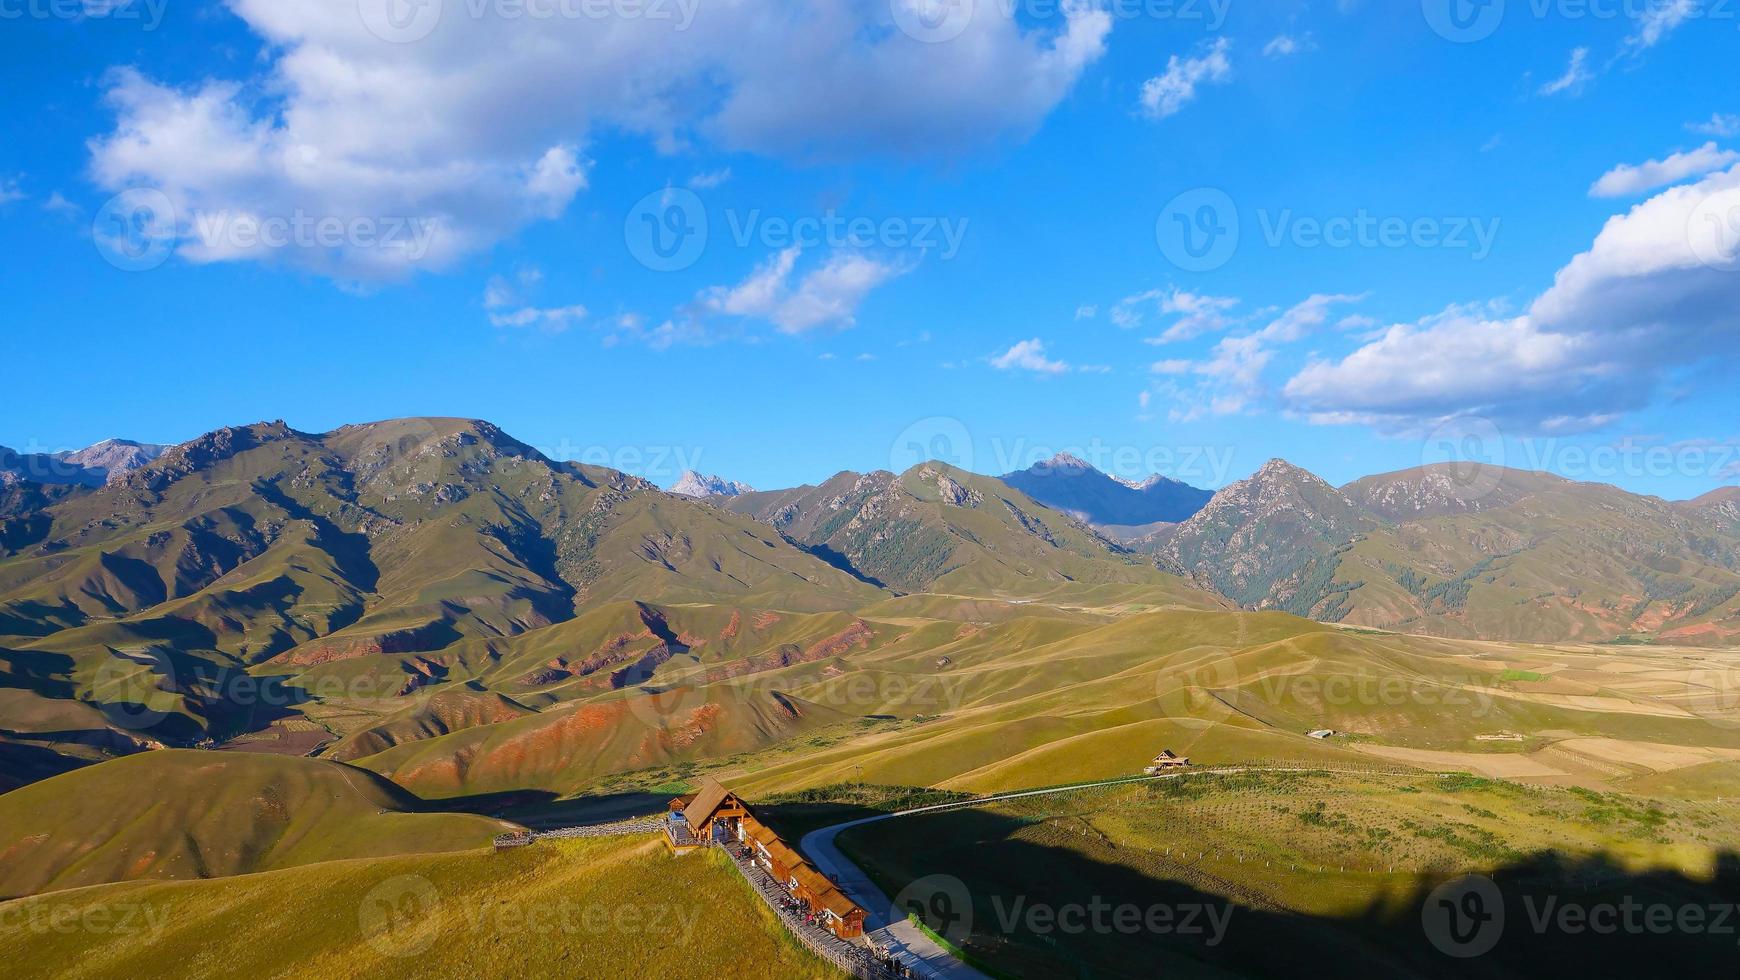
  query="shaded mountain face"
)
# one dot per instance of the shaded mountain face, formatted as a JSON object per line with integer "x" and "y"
{"x": 1485, "y": 552}
{"x": 1069, "y": 484}
{"x": 937, "y": 528}
{"x": 692, "y": 484}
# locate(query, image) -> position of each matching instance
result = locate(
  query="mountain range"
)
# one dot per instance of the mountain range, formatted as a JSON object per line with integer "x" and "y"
{"x": 1487, "y": 553}
{"x": 489, "y": 615}
{"x": 92, "y": 466}
{"x": 693, "y": 484}
{"x": 1067, "y": 483}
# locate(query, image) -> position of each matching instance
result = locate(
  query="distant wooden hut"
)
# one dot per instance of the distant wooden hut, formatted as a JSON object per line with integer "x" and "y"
{"x": 1167, "y": 760}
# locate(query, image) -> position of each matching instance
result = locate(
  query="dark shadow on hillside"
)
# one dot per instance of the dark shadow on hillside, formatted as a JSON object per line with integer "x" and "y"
{"x": 839, "y": 561}
{"x": 603, "y": 808}
{"x": 31, "y": 670}
{"x": 1535, "y": 936}
{"x": 23, "y": 764}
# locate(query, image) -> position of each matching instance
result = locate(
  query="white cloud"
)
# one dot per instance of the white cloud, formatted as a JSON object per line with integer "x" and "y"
{"x": 1626, "y": 180}
{"x": 1283, "y": 45}
{"x": 1719, "y": 125}
{"x": 1659, "y": 19}
{"x": 827, "y": 296}
{"x": 1576, "y": 76}
{"x": 710, "y": 179}
{"x": 1167, "y": 93}
{"x": 1306, "y": 316}
{"x": 58, "y": 204}
{"x": 1028, "y": 355}
{"x": 1655, "y": 293}
{"x": 830, "y": 295}
{"x": 11, "y": 190}
{"x": 477, "y": 129}
{"x": 1086, "y": 311}
{"x": 508, "y": 307}
{"x": 1197, "y": 313}
{"x": 553, "y": 319}
{"x": 1230, "y": 380}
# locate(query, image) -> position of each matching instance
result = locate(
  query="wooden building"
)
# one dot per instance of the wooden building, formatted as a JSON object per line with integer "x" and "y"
{"x": 1166, "y": 760}
{"x": 715, "y": 814}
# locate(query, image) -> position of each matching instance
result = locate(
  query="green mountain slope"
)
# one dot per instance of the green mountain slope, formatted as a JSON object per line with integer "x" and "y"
{"x": 1487, "y": 552}
{"x": 936, "y": 528}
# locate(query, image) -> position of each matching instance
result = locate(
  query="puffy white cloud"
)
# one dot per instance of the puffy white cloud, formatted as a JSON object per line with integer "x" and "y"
{"x": 827, "y": 296}
{"x": 1230, "y": 380}
{"x": 1655, "y": 293}
{"x": 830, "y": 295}
{"x": 1626, "y": 180}
{"x": 1165, "y": 94}
{"x": 1718, "y": 125}
{"x": 1576, "y": 76}
{"x": 11, "y": 189}
{"x": 1028, "y": 355}
{"x": 477, "y": 128}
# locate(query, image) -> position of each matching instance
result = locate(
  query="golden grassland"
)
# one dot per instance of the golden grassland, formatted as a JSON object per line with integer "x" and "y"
{"x": 1320, "y": 865}
{"x": 608, "y": 908}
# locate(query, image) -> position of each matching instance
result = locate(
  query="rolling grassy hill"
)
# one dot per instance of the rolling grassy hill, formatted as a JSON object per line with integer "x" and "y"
{"x": 179, "y": 815}
{"x": 601, "y": 909}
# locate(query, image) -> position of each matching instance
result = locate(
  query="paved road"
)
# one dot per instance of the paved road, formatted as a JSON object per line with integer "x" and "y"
{"x": 890, "y": 928}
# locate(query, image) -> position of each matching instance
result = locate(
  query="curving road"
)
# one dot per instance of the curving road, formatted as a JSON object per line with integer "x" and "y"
{"x": 890, "y": 927}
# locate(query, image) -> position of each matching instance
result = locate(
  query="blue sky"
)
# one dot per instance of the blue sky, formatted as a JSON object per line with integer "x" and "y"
{"x": 1481, "y": 246}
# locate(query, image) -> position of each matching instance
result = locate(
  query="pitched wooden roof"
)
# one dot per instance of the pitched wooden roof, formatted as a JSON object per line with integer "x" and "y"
{"x": 823, "y": 891}
{"x": 707, "y": 799}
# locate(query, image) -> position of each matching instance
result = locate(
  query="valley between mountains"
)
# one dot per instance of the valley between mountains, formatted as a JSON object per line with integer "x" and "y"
{"x": 266, "y": 649}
